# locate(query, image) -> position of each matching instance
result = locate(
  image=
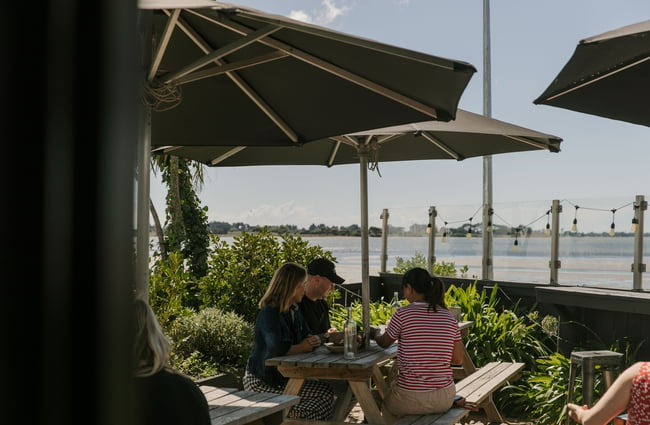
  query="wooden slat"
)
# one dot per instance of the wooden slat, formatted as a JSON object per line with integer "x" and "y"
{"x": 229, "y": 406}
{"x": 478, "y": 386}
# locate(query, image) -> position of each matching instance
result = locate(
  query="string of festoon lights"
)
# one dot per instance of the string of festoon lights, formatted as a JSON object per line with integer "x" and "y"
{"x": 521, "y": 229}
{"x": 612, "y": 226}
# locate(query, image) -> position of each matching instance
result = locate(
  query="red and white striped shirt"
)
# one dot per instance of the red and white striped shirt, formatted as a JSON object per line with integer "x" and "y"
{"x": 425, "y": 345}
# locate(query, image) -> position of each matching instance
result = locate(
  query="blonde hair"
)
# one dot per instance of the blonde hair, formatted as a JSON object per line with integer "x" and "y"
{"x": 151, "y": 348}
{"x": 283, "y": 284}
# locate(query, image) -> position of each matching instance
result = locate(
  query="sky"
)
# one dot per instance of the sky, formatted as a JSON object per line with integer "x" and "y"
{"x": 603, "y": 163}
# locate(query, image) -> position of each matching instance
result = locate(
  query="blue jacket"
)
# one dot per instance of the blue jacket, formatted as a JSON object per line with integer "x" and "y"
{"x": 275, "y": 333}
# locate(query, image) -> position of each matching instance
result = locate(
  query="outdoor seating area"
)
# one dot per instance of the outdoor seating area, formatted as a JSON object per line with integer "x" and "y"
{"x": 132, "y": 104}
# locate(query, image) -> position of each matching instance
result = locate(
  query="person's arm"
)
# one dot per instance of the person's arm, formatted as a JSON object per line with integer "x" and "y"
{"x": 612, "y": 403}
{"x": 457, "y": 353}
{"x": 305, "y": 346}
{"x": 384, "y": 340}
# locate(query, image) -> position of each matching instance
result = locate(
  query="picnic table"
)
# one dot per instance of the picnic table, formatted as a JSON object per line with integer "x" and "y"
{"x": 358, "y": 373}
{"x": 230, "y": 406}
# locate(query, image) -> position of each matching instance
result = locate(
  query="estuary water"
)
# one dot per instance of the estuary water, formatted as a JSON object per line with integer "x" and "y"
{"x": 595, "y": 261}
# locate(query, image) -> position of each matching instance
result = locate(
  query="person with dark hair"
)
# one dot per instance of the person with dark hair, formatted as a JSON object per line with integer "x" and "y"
{"x": 429, "y": 342}
{"x": 162, "y": 394}
{"x": 630, "y": 391}
{"x": 313, "y": 306}
{"x": 280, "y": 330}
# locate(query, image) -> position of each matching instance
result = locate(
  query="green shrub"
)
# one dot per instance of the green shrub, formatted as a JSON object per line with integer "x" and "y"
{"x": 170, "y": 287}
{"x": 209, "y": 340}
{"x": 239, "y": 274}
{"x": 439, "y": 269}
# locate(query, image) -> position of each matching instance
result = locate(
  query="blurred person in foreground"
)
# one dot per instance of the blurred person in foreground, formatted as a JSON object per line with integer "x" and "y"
{"x": 162, "y": 394}
{"x": 429, "y": 343}
{"x": 280, "y": 330}
{"x": 630, "y": 391}
{"x": 313, "y": 305}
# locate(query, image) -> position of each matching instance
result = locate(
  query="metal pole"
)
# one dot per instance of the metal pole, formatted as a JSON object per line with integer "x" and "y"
{"x": 555, "y": 264}
{"x": 142, "y": 211}
{"x": 365, "y": 266}
{"x": 487, "y": 263}
{"x": 638, "y": 267}
{"x": 384, "y": 239}
{"x": 431, "y": 229}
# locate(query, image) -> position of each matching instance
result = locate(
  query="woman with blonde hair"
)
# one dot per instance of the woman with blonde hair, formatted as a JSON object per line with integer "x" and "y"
{"x": 280, "y": 329}
{"x": 162, "y": 394}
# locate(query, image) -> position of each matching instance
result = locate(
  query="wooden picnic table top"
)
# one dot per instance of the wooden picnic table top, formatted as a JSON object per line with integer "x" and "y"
{"x": 230, "y": 406}
{"x": 321, "y": 357}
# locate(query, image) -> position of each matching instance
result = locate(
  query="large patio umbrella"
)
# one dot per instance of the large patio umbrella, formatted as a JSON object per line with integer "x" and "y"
{"x": 222, "y": 74}
{"x": 469, "y": 135}
{"x": 608, "y": 75}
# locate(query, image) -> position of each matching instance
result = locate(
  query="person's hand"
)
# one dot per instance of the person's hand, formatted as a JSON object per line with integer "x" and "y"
{"x": 311, "y": 342}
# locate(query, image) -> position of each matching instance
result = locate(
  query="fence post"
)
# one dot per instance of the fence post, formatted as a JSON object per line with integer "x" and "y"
{"x": 638, "y": 267}
{"x": 555, "y": 263}
{"x": 431, "y": 231}
{"x": 384, "y": 239}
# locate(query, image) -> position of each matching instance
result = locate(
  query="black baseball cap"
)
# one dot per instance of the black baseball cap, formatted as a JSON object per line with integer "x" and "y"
{"x": 324, "y": 267}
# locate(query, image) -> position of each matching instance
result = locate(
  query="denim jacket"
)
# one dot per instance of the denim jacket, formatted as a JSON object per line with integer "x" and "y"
{"x": 275, "y": 333}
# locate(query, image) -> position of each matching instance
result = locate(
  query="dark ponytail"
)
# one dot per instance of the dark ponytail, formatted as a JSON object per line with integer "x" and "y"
{"x": 423, "y": 283}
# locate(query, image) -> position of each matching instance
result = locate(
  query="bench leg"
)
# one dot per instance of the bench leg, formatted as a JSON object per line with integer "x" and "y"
{"x": 491, "y": 411}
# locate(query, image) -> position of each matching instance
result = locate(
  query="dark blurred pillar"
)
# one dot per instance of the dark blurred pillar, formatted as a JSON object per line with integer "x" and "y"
{"x": 68, "y": 123}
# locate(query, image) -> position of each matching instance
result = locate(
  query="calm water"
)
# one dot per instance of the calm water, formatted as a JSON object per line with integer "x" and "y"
{"x": 589, "y": 261}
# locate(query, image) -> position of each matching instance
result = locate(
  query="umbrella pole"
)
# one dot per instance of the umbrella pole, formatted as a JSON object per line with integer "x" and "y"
{"x": 365, "y": 267}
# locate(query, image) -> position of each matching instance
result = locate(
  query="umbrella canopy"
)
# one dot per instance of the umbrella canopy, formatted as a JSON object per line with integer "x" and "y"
{"x": 469, "y": 135}
{"x": 222, "y": 74}
{"x": 608, "y": 75}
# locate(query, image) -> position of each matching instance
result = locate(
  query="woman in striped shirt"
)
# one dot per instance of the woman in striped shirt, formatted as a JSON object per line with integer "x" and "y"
{"x": 429, "y": 343}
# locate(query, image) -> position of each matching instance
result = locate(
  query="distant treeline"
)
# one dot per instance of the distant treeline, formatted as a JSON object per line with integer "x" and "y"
{"x": 223, "y": 228}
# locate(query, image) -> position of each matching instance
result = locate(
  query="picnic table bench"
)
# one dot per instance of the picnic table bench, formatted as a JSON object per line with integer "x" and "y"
{"x": 476, "y": 390}
{"x": 230, "y": 406}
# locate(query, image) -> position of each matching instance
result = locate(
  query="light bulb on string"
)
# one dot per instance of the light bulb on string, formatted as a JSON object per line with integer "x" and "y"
{"x": 635, "y": 221}
{"x": 468, "y": 235}
{"x": 547, "y": 230}
{"x": 574, "y": 226}
{"x": 612, "y": 227}
{"x": 429, "y": 229}
{"x": 444, "y": 233}
{"x": 515, "y": 245}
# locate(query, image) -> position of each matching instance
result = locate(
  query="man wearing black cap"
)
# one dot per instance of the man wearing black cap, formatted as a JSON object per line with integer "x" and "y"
{"x": 320, "y": 281}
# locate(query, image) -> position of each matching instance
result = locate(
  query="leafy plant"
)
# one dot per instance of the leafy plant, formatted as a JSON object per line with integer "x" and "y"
{"x": 212, "y": 337}
{"x": 439, "y": 269}
{"x": 239, "y": 274}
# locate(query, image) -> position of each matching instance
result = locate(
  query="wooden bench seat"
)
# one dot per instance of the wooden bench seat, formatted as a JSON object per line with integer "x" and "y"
{"x": 477, "y": 390}
{"x": 230, "y": 406}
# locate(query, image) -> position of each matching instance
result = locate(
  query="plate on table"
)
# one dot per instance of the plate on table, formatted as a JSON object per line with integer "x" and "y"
{"x": 334, "y": 348}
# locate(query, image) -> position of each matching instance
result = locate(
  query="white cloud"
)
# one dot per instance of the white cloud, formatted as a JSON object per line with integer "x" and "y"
{"x": 325, "y": 15}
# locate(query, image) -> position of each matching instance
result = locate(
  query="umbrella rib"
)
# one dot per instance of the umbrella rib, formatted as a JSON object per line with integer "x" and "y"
{"x": 598, "y": 78}
{"x": 264, "y": 107}
{"x": 528, "y": 142}
{"x": 227, "y": 155}
{"x": 231, "y": 67}
{"x": 331, "y": 68}
{"x": 452, "y": 153}
{"x": 164, "y": 41}
{"x": 219, "y": 53}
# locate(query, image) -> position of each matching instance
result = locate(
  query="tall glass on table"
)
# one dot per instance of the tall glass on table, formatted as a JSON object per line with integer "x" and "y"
{"x": 350, "y": 337}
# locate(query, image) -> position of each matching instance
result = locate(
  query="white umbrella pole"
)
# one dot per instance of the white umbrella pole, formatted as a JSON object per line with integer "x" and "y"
{"x": 365, "y": 266}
